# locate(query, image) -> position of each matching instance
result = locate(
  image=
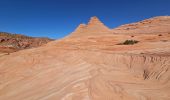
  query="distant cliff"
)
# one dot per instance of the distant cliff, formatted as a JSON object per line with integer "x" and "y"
{"x": 14, "y": 42}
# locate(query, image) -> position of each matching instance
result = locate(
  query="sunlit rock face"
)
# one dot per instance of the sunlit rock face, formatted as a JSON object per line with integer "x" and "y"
{"x": 90, "y": 66}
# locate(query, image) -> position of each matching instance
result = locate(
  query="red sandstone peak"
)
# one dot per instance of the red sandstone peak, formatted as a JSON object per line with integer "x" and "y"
{"x": 94, "y": 27}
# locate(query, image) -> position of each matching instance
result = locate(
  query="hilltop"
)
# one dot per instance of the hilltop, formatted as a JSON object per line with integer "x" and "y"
{"x": 155, "y": 25}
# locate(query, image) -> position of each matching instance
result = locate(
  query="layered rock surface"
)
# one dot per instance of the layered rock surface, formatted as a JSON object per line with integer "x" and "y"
{"x": 90, "y": 67}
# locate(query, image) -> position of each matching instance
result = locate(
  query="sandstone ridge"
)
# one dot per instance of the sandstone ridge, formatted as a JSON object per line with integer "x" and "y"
{"x": 155, "y": 25}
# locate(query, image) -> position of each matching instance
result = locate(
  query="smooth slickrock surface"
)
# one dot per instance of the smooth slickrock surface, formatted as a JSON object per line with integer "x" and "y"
{"x": 87, "y": 66}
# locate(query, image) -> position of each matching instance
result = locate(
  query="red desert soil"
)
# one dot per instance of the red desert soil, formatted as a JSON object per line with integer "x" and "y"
{"x": 91, "y": 65}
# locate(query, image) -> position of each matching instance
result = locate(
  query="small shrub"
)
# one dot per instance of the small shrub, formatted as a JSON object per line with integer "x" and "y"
{"x": 132, "y": 36}
{"x": 129, "y": 42}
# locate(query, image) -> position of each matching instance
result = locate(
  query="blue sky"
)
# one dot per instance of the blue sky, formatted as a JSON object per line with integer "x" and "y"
{"x": 58, "y": 18}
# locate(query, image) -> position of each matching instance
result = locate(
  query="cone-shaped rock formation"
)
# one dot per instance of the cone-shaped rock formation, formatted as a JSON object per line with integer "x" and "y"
{"x": 94, "y": 27}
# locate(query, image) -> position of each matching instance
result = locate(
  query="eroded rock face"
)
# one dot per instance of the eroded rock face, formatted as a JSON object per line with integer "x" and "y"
{"x": 89, "y": 67}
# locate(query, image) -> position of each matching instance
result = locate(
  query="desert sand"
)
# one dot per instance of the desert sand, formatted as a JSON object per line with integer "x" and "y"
{"x": 90, "y": 65}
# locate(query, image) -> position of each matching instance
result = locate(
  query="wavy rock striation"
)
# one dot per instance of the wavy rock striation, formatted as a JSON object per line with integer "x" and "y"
{"x": 81, "y": 76}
